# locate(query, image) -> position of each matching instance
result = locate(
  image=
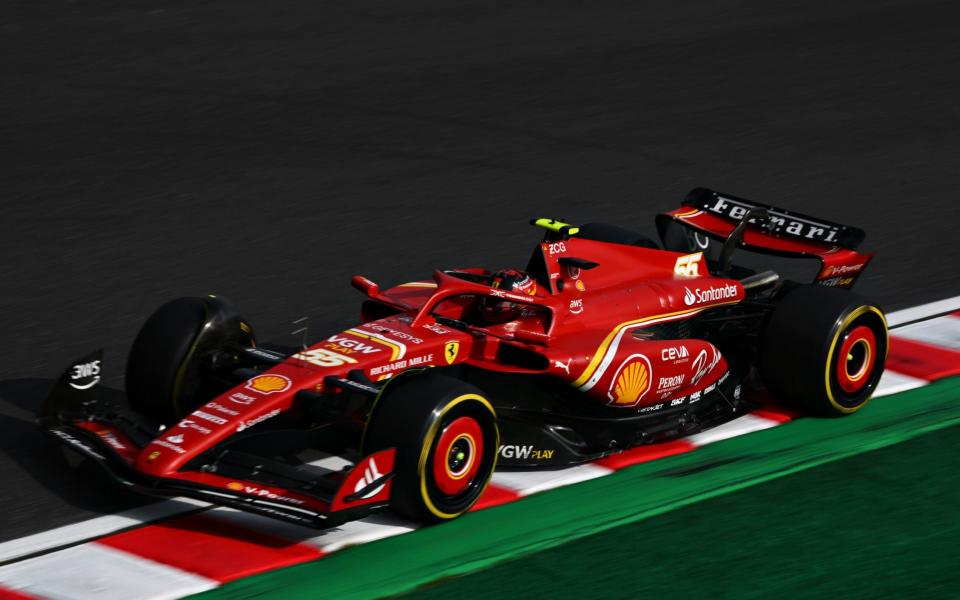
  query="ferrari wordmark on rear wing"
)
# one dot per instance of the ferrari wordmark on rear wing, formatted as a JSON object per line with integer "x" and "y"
{"x": 779, "y": 222}
{"x": 767, "y": 229}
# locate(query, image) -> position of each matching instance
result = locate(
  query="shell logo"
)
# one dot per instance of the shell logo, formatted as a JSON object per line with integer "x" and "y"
{"x": 235, "y": 486}
{"x": 269, "y": 384}
{"x": 632, "y": 382}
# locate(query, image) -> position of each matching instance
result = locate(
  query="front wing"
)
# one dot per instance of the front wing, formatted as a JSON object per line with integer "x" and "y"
{"x": 305, "y": 494}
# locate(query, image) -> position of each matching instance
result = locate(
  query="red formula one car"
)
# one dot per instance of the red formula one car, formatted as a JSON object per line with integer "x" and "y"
{"x": 603, "y": 342}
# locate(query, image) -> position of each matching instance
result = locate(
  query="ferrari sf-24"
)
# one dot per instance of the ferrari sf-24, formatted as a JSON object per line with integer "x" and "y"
{"x": 604, "y": 341}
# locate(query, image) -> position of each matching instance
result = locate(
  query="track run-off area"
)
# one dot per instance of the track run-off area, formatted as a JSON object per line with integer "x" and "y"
{"x": 179, "y": 547}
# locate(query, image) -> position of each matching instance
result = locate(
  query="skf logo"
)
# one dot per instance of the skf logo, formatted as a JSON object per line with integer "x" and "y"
{"x": 688, "y": 265}
{"x": 450, "y": 352}
{"x": 632, "y": 382}
{"x": 269, "y": 384}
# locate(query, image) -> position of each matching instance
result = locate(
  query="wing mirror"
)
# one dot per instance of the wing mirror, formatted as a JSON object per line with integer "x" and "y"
{"x": 366, "y": 286}
{"x": 532, "y": 337}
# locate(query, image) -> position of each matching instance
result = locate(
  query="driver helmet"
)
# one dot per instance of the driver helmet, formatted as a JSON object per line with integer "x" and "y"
{"x": 497, "y": 310}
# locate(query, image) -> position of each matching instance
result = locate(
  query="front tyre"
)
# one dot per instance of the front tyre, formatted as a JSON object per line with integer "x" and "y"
{"x": 446, "y": 437}
{"x": 167, "y": 373}
{"x": 824, "y": 349}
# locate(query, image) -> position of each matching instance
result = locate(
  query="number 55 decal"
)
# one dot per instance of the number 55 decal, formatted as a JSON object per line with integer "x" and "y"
{"x": 688, "y": 265}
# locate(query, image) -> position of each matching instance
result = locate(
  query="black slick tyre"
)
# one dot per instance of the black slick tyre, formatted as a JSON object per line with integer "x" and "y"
{"x": 823, "y": 349}
{"x": 446, "y": 437}
{"x": 167, "y": 368}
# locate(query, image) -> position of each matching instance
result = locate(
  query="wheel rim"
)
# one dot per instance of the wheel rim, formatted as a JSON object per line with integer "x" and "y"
{"x": 457, "y": 456}
{"x": 856, "y": 359}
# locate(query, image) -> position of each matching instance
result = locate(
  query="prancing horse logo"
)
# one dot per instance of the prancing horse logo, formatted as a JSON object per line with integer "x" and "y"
{"x": 450, "y": 351}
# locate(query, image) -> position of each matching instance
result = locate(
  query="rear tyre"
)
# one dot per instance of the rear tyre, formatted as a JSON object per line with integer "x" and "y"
{"x": 167, "y": 365}
{"x": 823, "y": 349}
{"x": 446, "y": 437}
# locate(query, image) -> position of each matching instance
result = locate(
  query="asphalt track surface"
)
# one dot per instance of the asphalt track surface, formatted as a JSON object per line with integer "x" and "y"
{"x": 268, "y": 152}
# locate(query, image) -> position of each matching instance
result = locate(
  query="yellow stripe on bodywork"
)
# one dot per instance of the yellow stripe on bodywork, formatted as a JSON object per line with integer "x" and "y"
{"x": 418, "y": 284}
{"x": 395, "y": 349}
{"x": 602, "y": 350}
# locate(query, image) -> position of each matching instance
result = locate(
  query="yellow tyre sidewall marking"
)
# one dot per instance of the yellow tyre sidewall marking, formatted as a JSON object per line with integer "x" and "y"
{"x": 850, "y": 318}
{"x": 428, "y": 443}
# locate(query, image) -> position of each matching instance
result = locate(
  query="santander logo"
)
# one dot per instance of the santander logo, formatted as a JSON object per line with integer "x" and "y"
{"x": 710, "y": 294}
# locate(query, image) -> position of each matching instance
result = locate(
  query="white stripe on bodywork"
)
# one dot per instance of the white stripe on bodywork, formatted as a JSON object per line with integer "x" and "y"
{"x": 384, "y": 339}
{"x": 96, "y": 571}
{"x": 615, "y": 345}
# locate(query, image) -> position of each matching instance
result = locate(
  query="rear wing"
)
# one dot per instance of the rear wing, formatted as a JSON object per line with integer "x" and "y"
{"x": 767, "y": 229}
{"x": 782, "y": 223}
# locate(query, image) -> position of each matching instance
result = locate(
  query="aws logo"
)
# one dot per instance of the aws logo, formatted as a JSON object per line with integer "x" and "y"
{"x": 631, "y": 382}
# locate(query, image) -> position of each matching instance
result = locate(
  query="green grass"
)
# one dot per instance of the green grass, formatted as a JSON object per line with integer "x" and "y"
{"x": 882, "y": 524}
